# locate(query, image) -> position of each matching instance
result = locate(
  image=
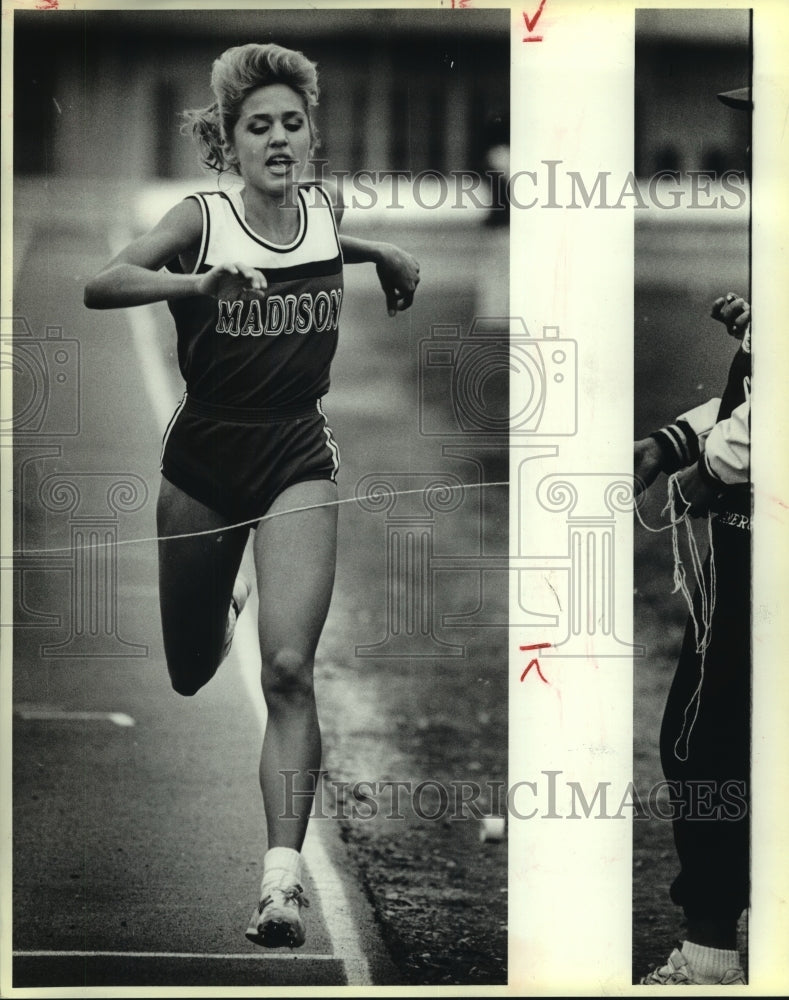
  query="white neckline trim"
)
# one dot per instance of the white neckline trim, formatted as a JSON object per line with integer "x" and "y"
{"x": 238, "y": 204}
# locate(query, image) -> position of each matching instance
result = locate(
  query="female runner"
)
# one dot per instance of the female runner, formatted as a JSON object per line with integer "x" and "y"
{"x": 253, "y": 279}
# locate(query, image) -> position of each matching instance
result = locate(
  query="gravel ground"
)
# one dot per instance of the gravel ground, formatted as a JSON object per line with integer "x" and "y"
{"x": 438, "y": 891}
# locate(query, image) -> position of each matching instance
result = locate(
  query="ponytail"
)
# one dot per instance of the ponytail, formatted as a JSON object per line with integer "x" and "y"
{"x": 203, "y": 125}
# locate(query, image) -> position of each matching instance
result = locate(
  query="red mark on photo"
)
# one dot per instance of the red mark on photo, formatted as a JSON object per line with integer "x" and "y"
{"x": 460, "y": 4}
{"x": 531, "y": 23}
{"x": 48, "y": 5}
{"x": 534, "y": 662}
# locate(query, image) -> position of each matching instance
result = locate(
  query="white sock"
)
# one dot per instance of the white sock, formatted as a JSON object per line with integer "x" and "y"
{"x": 709, "y": 964}
{"x": 280, "y": 865}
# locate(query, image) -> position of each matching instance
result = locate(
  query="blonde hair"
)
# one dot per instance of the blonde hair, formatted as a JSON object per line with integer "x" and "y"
{"x": 235, "y": 74}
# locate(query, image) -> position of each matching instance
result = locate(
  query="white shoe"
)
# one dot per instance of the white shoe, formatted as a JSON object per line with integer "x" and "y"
{"x": 677, "y": 972}
{"x": 276, "y": 921}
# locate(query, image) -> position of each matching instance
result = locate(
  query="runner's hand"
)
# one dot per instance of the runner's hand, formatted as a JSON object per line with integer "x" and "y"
{"x": 398, "y": 273}
{"x": 646, "y": 463}
{"x": 734, "y": 312}
{"x": 695, "y": 491}
{"x": 232, "y": 281}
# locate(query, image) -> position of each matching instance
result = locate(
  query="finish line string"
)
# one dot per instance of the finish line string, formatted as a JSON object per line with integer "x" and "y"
{"x": 680, "y": 580}
{"x": 702, "y": 629}
{"x": 380, "y": 495}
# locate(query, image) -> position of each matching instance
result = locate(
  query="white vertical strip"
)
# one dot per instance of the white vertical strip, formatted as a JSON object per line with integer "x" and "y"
{"x": 769, "y": 918}
{"x": 571, "y": 268}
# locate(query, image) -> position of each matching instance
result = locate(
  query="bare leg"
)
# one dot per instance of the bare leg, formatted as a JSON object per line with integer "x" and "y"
{"x": 196, "y": 581}
{"x": 295, "y": 558}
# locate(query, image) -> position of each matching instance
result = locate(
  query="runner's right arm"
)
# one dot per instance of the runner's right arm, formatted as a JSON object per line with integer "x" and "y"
{"x": 135, "y": 276}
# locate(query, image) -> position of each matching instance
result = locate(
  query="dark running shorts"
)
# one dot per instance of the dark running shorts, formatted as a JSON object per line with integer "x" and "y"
{"x": 237, "y": 461}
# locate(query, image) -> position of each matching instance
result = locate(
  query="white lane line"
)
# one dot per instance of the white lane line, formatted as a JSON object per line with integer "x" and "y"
{"x": 337, "y": 910}
{"x": 58, "y": 715}
{"x": 339, "y": 919}
{"x": 263, "y": 956}
{"x": 334, "y": 900}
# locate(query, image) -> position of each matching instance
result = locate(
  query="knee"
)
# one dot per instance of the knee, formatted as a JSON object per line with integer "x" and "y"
{"x": 287, "y": 676}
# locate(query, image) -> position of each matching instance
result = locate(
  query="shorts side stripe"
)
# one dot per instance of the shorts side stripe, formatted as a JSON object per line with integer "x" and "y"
{"x": 173, "y": 418}
{"x": 335, "y": 451}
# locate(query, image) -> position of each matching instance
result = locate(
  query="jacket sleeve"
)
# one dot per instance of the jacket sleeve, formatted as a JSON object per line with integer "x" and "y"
{"x": 726, "y": 460}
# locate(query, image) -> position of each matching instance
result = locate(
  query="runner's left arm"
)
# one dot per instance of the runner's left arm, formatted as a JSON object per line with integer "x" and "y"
{"x": 398, "y": 270}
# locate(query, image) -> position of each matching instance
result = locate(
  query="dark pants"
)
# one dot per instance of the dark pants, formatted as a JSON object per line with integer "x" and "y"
{"x": 711, "y": 788}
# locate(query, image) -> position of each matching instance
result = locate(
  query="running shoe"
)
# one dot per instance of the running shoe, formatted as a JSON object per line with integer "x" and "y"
{"x": 677, "y": 972}
{"x": 276, "y": 921}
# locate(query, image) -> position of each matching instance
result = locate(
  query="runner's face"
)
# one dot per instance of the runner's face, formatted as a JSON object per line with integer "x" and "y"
{"x": 272, "y": 138}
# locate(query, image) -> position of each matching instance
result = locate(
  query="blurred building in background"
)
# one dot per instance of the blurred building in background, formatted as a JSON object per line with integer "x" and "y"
{"x": 684, "y": 58}
{"x": 97, "y": 93}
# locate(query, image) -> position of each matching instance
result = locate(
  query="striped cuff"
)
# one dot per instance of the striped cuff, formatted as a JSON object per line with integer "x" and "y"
{"x": 679, "y": 446}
